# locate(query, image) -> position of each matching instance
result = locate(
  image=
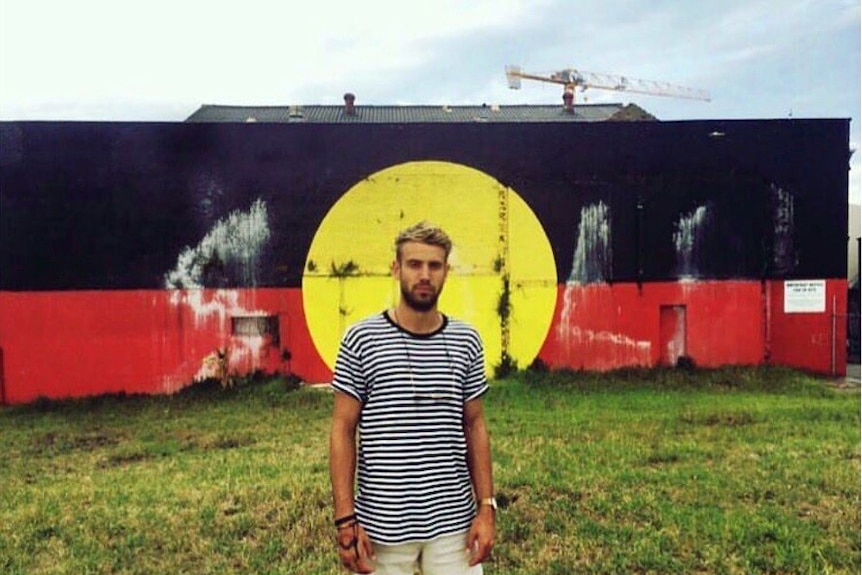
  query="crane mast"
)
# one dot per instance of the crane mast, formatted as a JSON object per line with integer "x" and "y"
{"x": 578, "y": 79}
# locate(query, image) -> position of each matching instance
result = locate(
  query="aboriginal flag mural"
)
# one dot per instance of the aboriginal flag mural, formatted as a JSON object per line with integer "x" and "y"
{"x": 140, "y": 257}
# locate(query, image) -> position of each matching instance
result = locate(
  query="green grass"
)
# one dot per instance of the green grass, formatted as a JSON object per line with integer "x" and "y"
{"x": 665, "y": 471}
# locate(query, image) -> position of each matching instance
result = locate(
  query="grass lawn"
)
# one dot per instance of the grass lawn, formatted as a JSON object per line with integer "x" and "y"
{"x": 665, "y": 471}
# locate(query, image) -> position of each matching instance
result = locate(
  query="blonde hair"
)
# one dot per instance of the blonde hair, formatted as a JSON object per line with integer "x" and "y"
{"x": 426, "y": 233}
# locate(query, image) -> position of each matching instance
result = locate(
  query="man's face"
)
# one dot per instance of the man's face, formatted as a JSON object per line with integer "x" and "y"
{"x": 421, "y": 271}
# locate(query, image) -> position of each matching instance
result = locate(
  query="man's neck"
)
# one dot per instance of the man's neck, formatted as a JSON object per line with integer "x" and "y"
{"x": 417, "y": 321}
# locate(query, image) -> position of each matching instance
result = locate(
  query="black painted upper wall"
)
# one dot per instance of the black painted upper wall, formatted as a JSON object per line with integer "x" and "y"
{"x": 111, "y": 205}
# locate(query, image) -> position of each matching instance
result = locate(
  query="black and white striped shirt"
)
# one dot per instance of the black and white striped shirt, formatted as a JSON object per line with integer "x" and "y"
{"x": 412, "y": 475}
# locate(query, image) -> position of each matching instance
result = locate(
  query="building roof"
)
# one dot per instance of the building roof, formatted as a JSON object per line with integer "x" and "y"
{"x": 338, "y": 114}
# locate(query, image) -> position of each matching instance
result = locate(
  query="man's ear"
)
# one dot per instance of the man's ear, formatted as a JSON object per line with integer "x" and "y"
{"x": 395, "y": 268}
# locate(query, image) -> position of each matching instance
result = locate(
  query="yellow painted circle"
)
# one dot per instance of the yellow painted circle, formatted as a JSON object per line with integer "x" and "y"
{"x": 494, "y": 232}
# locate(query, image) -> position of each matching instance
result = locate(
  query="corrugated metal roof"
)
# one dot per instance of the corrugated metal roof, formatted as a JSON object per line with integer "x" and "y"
{"x": 336, "y": 114}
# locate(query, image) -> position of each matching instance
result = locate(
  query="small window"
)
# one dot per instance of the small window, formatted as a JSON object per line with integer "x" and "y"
{"x": 255, "y": 326}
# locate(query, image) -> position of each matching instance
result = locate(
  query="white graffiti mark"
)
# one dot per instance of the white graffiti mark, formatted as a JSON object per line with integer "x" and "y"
{"x": 605, "y": 350}
{"x": 640, "y": 348}
{"x": 593, "y": 254}
{"x": 222, "y": 304}
{"x": 213, "y": 312}
{"x": 687, "y": 240}
{"x": 233, "y": 243}
{"x": 584, "y": 339}
{"x": 231, "y": 249}
{"x": 566, "y": 313}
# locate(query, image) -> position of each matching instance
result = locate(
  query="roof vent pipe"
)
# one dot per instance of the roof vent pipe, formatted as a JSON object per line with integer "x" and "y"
{"x": 569, "y": 100}
{"x": 349, "y": 108}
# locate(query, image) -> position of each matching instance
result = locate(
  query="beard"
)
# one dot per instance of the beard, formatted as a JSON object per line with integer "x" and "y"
{"x": 425, "y": 303}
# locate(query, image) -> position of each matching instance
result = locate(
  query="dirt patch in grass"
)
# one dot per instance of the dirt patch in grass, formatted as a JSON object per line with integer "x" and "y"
{"x": 53, "y": 443}
{"x": 223, "y": 442}
{"x": 726, "y": 419}
{"x": 120, "y": 459}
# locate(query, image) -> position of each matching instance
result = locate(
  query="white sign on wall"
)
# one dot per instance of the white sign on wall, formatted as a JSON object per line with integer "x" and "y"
{"x": 805, "y": 296}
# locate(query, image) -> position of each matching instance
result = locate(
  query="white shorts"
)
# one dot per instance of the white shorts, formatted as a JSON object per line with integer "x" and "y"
{"x": 446, "y": 555}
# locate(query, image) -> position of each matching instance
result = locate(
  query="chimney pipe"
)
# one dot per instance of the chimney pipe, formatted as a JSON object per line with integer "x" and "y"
{"x": 349, "y": 108}
{"x": 569, "y": 100}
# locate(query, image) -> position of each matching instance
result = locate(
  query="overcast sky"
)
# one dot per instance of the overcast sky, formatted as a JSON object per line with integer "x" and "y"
{"x": 159, "y": 60}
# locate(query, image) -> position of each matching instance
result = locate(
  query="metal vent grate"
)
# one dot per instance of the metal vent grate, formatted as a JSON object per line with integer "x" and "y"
{"x": 256, "y": 326}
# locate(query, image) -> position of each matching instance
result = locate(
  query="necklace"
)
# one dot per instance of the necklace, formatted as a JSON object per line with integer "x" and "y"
{"x": 430, "y": 395}
{"x": 401, "y": 330}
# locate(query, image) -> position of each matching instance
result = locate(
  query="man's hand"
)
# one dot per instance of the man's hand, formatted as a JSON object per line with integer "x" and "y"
{"x": 355, "y": 549}
{"x": 480, "y": 540}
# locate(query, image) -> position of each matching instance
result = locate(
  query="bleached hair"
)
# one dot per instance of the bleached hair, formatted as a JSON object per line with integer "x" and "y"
{"x": 426, "y": 233}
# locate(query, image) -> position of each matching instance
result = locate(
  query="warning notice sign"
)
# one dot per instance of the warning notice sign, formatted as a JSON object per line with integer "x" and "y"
{"x": 805, "y": 296}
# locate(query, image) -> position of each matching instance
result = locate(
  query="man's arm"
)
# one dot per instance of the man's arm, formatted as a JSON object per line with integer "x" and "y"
{"x": 481, "y": 538}
{"x": 342, "y": 452}
{"x": 354, "y": 547}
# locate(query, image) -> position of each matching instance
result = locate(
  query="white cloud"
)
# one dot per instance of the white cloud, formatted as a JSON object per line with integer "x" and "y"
{"x": 192, "y": 51}
{"x": 160, "y": 60}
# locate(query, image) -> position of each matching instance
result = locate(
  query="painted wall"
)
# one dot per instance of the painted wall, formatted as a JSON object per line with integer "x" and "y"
{"x": 854, "y": 233}
{"x": 601, "y": 326}
{"x": 815, "y": 340}
{"x": 74, "y": 343}
{"x": 140, "y": 257}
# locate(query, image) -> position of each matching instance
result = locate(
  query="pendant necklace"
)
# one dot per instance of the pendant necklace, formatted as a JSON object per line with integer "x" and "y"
{"x": 404, "y": 343}
{"x": 401, "y": 330}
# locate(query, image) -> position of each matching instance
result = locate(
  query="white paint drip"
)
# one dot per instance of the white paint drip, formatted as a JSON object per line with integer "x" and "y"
{"x": 591, "y": 336}
{"x": 235, "y": 241}
{"x": 249, "y": 351}
{"x": 623, "y": 349}
{"x": 591, "y": 257}
{"x": 603, "y": 349}
{"x": 566, "y": 313}
{"x": 593, "y": 253}
{"x": 687, "y": 240}
{"x": 223, "y": 304}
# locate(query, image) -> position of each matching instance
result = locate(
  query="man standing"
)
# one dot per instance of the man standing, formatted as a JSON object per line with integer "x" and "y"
{"x": 411, "y": 379}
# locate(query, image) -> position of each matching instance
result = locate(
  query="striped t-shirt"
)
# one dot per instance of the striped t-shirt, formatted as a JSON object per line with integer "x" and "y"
{"x": 413, "y": 483}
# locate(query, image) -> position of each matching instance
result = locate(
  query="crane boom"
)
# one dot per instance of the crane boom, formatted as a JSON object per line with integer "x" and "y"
{"x": 572, "y": 78}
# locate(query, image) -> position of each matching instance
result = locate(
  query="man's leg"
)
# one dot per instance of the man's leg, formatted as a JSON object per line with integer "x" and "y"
{"x": 448, "y": 555}
{"x": 395, "y": 559}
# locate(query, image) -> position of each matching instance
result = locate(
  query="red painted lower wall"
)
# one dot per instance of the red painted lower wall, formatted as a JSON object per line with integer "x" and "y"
{"x": 815, "y": 342}
{"x": 602, "y": 326}
{"x": 66, "y": 344}
{"x": 606, "y": 326}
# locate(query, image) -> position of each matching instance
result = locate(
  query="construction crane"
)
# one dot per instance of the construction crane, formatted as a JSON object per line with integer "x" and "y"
{"x": 578, "y": 79}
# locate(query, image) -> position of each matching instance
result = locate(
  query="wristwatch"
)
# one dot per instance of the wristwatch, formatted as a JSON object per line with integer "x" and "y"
{"x": 489, "y": 501}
